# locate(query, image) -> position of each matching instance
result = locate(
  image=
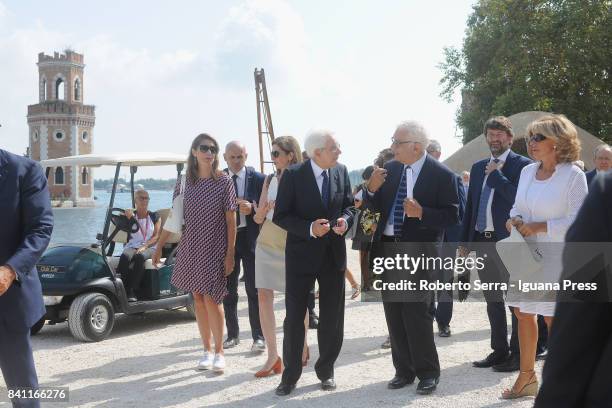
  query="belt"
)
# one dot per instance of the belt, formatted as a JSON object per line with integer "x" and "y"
{"x": 487, "y": 234}
{"x": 390, "y": 238}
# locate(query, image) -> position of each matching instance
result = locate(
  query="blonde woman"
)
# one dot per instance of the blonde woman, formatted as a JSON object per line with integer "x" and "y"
{"x": 270, "y": 253}
{"x": 549, "y": 195}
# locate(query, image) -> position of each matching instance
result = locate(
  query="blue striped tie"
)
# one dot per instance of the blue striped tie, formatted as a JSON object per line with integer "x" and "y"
{"x": 325, "y": 189}
{"x": 481, "y": 218}
{"x": 398, "y": 207}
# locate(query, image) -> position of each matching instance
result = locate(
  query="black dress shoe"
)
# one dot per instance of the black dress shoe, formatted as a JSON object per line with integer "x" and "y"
{"x": 542, "y": 356}
{"x": 427, "y": 386}
{"x": 398, "y": 382}
{"x": 386, "y": 344}
{"x": 313, "y": 321}
{"x": 512, "y": 364}
{"x": 328, "y": 385}
{"x": 444, "y": 331}
{"x": 231, "y": 342}
{"x": 491, "y": 360}
{"x": 284, "y": 389}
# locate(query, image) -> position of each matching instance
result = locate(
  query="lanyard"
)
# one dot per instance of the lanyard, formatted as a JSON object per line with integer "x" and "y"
{"x": 146, "y": 231}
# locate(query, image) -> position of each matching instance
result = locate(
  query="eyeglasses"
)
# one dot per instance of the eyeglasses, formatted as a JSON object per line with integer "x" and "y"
{"x": 275, "y": 153}
{"x": 398, "y": 142}
{"x": 206, "y": 148}
{"x": 143, "y": 198}
{"x": 536, "y": 138}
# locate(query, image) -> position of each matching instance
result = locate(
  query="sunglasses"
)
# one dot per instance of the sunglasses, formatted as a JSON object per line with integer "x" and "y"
{"x": 206, "y": 148}
{"x": 275, "y": 154}
{"x": 536, "y": 138}
{"x": 143, "y": 198}
{"x": 397, "y": 142}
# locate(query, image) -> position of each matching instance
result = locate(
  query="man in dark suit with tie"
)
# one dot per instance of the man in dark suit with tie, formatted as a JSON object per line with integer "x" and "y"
{"x": 577, "y": 369}
{"x": 417, "y": 199}
{"x": 603, "y": 161}
{"x": 314, "y": 205}
{"x": 27, "y": 222}
{"x": 248, "y": 184}
{"x": 491, "y": 194}
{"x": 443, "y": 311}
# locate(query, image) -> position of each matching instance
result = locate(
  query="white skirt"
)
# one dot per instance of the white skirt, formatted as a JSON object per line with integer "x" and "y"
{"x": 270, "y": 257}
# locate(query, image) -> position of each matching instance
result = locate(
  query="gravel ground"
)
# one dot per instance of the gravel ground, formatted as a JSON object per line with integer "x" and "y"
{"x": 148, "y": 361}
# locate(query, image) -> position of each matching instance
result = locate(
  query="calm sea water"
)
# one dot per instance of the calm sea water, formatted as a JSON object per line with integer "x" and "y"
{"x": 80, "y": 225}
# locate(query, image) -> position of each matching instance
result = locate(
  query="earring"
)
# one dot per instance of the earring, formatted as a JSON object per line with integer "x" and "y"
{"x": 555, "y": 147}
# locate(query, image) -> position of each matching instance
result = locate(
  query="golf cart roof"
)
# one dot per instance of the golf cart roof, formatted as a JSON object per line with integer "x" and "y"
{"x": 111, "y": 159}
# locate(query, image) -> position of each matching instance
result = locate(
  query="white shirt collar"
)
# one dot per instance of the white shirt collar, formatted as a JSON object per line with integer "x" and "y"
{"x": 316, "y": 169}
{"x": 503, "y": 157}
{"x": 241, "y": 174}
{"x": 417, "y": 165}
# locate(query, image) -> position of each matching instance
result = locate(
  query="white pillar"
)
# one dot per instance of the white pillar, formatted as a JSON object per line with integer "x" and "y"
{"x": 44, "y": 142}
{"x": 74, "y": 150}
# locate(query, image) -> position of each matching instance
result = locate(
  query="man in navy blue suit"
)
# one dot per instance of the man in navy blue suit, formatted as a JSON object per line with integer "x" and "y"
{"x": 491, "y": 194}
{"x": 443, "y": 311}
{"x": 248, "y": 184}
{"x": 603, "y": 161}
{"x": 417, "y": 199}
{"x": 27, "y": 222}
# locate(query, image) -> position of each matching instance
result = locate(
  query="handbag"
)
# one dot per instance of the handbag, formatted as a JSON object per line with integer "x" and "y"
{"x": 522, "y": 258}
{"x": 176, "y": 220}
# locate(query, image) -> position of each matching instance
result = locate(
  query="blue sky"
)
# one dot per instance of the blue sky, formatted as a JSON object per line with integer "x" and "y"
{"x": 159, "y": 72}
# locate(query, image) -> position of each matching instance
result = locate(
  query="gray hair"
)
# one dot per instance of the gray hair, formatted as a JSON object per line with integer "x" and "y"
{"x": 235, "y": 144}
{"x": 601, "y": 147}
{"x": 316, "y": 139}
{"x": 414, "y": 129}
{"x": 434, "y": 146}
{"x": 140, "y": 191}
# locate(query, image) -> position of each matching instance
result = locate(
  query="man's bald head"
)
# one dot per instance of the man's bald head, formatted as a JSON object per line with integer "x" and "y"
{"x": 235, "y": 155}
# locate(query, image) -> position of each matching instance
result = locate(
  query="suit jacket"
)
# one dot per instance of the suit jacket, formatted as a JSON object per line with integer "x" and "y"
{"x": 505, "y": 183}
{"x": 27, "y": 222}
{"x": 453, "y": 233}
{"x": 577, "y": 369}
{"x": 590, "y": 175}
{"x": 298, "y": 204}
{"x": 435, "y": 190}
{"x": 254, "y": 185}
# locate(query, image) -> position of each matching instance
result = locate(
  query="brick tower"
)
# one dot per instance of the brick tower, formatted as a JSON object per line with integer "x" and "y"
{"x": 61, "y": 125}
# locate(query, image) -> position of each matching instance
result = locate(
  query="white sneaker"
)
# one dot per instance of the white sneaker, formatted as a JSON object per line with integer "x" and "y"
{"x": 206, "y": 362}
{"x": 218, "y": 364}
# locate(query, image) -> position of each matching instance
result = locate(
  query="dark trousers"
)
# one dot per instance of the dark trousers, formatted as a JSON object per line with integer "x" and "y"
{"x": 330, "y": 332}
{"x": 131, "y": 267}
{"x": 443, "y": 310}
{"x": 245, "y": 254}
{"x": 412, "y": 343}
{"x": 493, "y": 272}
{"x": 311, "y": 301}
{"x": 17, "y": 363}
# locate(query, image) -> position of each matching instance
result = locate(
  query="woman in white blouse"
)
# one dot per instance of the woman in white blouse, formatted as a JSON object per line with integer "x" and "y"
{"x": 549, "y": 195}
{"x": 270, "y": 254}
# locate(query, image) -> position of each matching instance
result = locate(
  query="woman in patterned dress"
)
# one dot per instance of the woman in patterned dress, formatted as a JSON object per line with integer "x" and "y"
{"x": 270, "y": 254}
{"x": 205, "y": 255}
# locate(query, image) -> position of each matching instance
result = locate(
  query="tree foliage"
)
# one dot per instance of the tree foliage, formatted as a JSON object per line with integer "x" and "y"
{"x": 523, "y": 55}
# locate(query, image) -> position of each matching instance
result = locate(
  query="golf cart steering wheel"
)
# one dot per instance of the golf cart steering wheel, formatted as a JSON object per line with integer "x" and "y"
{"x": 122, "y": 222}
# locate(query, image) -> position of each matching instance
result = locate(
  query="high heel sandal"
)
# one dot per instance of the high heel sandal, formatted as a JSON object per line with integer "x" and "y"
{"x": 305, "y": 362}
{"x": 529, "y": 390}
{"x": 277, "y": 368}
{"x": 356, "y": 291}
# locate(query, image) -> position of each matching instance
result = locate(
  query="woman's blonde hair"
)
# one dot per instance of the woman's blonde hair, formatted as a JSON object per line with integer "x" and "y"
{"x": 192, "y": 161}
{"x": 562, "y": 130}
{"x": 289, "y": 144}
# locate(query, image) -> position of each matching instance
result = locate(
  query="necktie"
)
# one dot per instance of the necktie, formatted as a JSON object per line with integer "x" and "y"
{"x": 398, "y": 208}
{"x": 234, "y": 178}
{"x": 481, "y": 218}
{"x": 325, "y": 189}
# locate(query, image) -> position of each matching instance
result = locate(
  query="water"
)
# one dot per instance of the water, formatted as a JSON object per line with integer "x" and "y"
{"x": 80, "y": 225}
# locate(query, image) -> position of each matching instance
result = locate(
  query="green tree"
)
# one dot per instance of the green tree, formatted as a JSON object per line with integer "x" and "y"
{"x": 522, "y": 55}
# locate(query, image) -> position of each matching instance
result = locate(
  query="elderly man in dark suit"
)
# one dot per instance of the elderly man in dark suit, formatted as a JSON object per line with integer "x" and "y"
{"x": 248, "y": 184}
{"x": 577, "y": 370}
{"x": 417, "y": 199}
{"x": 314, "y": 205}
{"x": 603, "y": 161}
{"x": 27, "y": 222}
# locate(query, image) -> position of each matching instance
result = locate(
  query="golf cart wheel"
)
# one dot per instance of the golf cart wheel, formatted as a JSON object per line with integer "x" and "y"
{"x": 191, "y": 306}
{"x": 91, "y": 317}
{"x": 37, "y": 326}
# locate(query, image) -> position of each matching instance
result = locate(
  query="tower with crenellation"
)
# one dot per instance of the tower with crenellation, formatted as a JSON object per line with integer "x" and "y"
{"x": 61, "y": 125}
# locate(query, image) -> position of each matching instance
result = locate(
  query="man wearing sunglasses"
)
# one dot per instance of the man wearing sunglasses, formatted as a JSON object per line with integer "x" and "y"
{"x": 248, "y": 184}
{"x": 491, "y": 194}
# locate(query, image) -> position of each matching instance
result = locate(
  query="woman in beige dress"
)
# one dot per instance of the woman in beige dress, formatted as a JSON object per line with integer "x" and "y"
{"x": 270, "y": 253}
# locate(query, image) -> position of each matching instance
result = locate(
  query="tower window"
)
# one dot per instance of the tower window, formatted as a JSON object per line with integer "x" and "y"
{"x": 77, "y": 90}
{"x": 84, "y": 176}
{"x": 85, "y": 137}
{"x": 35, "y": 136}
{"x": 59, "y": 136}
{"x": 59, "y": 89}
{"x": 59, "y": 176}
{"x": 47, "y": 170}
